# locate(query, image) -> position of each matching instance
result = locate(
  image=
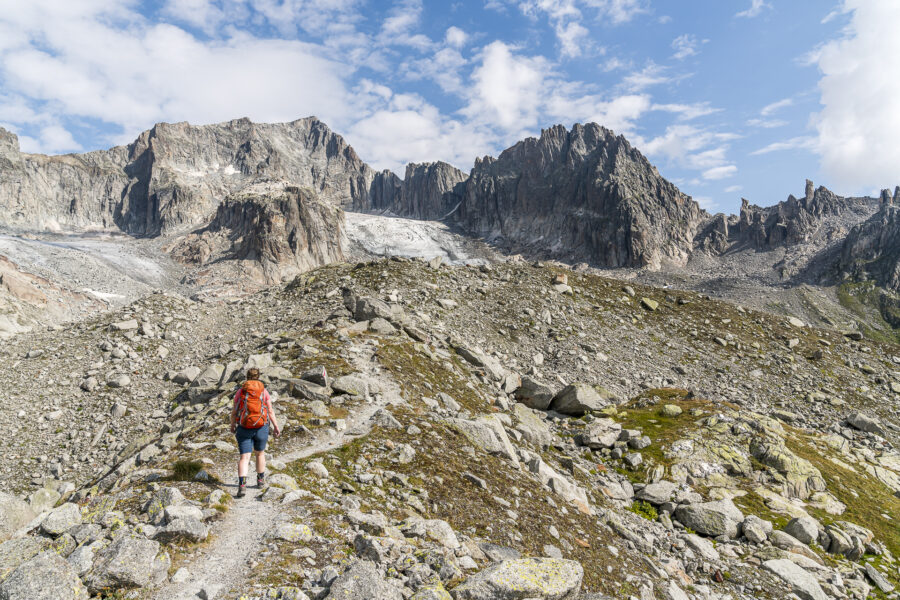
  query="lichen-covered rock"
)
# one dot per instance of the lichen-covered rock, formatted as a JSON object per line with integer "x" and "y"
{"x": 801, "y": 582}
{"x": 14, "y": 514}
{"x": 47, "y": 576}
{"x": 14, "y": 552}
{"x": 128, "y": 562}
{"x": 486, "y": 433}
{"x": 362, "y": 581}
{"x": 801, "y": 477}
{"x": 292, "y": 532}
{"x": 524, "y": 578}
{"x": 717, "y": 518}
{"x": 534, "y": 394}
{"x": 61, "y": 519}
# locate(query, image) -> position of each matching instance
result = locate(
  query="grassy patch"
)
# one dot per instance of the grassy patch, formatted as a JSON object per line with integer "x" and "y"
{"x": 185, "y": 470}
{"x": 867, "y": 499}
{"x": 865, "y": 301}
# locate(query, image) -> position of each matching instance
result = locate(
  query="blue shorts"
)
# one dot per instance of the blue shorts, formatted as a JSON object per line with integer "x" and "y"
{"x": 252, "y": 439}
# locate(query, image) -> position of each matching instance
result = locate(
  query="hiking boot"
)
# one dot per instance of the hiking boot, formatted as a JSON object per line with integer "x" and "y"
{"x": 260, "y": 480}
{"x": 241, "y": 491}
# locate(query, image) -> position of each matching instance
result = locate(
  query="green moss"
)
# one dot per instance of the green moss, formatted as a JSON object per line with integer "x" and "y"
{"x": 867, "y": 499}
{"x": 644, "y": 509}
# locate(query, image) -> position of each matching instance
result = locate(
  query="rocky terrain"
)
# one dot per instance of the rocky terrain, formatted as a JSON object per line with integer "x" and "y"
{"x": 534, "y": 452}
{"x": 688, "y": 406}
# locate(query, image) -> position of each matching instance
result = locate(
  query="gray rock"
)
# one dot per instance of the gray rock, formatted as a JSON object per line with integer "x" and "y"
{"x": 292, "y": 532}
{"x": 186, "y": 375}
{"x": 384, "y": 419}
{"x": 717, "y": 518}
{"x": 702, "y": 546}
{"x": 61, "y": 519}
{"x": 801, "y": 582}
{"x": 43, "y": 499}
{"x": 534, "y": 394}
{"x": 47, "y": 576}
{"x": 17, "y": 551}
{"x": 362, "y": 581}
{"x": 128, "y": 562}
{"x": 524, "y": 579}
{"x": 14, "y": 514}
{"x": 656, "y": 493}
{"x": 579, "y": 398}
{"x": 879, "y": 579}
{"x": 864, "y": 422}
{"x": 355, "y": 385}
{"x": 119, "y": 381}
{"x": 533, "y": 428}
{"x": 317, "y": 375}
{"x": 209, "y": 377}
{"x": 187, "y": 528}
{"x": 601, "y": 433}
{"x": 161, "y": 499}
{"x": 488, "y": 434}
{"x": 805, "y": 529}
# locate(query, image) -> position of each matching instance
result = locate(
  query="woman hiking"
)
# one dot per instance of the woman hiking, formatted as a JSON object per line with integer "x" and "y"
{"x": 250, "y": 420}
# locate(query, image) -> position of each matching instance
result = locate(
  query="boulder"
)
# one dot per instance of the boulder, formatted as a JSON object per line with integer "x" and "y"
{"x": 161, "y": 499}
{"x": 801, "y": 477}
{"x": 601, "y": 433}
{"x": 259, "y": 361}
{"x": 61, "y": 519}
{"x": 354, "y": 385}
{"x": 362, "y": 581}
{"x": 186, "y": 375}
{"x": 534, "y": 394}
{"x": 209, "y": 377}
{"x": 801, "y": 582}
{"x": 15, "y": 552}
{"x": 717, "y": 518}
{"x": 656, "y": 493}
{"x": 524, "y": 578}
{"x": 579, "y": 398}
{"x": 317, "y": 375}
{"x": 805, "y": 529}
{"x": 188, "y": 528}
{"x": 486, "y": 433}
{"x": 431, "y": 529}
{"x": 47, "y": 576}
{"x": 14, "y": 514}
{"x": 532, "y": 427}
{"x": 128, "y": 562}
{"x": 292, "y": 532}
{"x": 368, "y": 308}
{"x": 864, "y": 422}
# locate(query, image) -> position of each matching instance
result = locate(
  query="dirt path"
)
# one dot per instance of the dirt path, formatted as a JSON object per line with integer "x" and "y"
{"x": 223, "y": 565}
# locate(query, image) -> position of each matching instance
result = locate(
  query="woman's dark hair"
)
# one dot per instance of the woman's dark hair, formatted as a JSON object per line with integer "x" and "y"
{"x": 253, "y": 373}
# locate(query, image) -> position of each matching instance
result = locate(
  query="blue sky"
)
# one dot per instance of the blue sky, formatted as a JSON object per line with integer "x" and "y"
{"x": 728, "y": 98}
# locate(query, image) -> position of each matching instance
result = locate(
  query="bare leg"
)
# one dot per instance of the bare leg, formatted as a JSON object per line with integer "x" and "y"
{"x": 260, "y": 462}
{"x": 243, "y": 465}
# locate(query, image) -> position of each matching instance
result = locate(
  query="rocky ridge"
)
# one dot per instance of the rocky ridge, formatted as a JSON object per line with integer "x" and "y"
{"x": 537, "y": 444}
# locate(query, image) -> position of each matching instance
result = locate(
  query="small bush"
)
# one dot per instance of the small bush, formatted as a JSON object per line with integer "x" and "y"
{"x": 185, "y": 470}
{"x": 644, "y": 509}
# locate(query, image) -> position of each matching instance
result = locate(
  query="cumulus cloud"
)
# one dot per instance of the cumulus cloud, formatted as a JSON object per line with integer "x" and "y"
{"x": 101, "y": 61}
{"x": 52, "y": 139}
{"x": 756, "y": 8}
{"x": 694, "y": 148}
{"x": 859, "y": 124}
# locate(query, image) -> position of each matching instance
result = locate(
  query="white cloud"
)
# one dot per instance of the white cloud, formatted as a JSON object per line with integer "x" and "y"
{"x": 733, "y": 188}
{"x": 618, "y": 11}
{"x": 720, "y": 172}
{"x": 202, "y": 14}
{"x": 802, "y": 142}
{"x": 756, "y": 7}
{"x": 775, "y": 106}
{"x": 686, "y": 112}
{"x": 652, "y": 74}
{"x": 859, "y": 124}
{"x": 693, "y": 148}
{"x": 99, "y": 61}
{"x": 51, "y": 140}
{"x": 456, "y": 37}
{"x": 684, "y": 46}
{"x": 766, "y": 123}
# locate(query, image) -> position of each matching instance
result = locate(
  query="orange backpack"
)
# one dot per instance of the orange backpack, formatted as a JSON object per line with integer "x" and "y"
{"x": 253, "y": 410}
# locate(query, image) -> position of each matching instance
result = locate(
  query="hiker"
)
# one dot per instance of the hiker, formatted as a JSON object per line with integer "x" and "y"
{"x": 250, "y": 420}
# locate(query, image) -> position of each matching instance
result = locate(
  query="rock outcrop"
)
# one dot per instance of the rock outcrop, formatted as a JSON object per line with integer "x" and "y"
{"x": 583, "y": 194}
{"x": 175, "y": 175}
{"x": 274, "y": 230}
{"x": 872, "y": 249}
